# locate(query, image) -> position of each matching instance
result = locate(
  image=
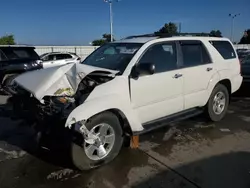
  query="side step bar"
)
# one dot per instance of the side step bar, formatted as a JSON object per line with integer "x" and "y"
{"x": 162, "y": 122}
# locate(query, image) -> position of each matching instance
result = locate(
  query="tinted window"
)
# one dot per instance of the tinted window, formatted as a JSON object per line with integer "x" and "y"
{"x": 51, "y": 57}
{"x": 194, "y": 53}
{"x": 246, "y": 60}
{"x": 163, "y": 56}
{"x": 224, "y": 48}
{"x": 17, "y": 53}
{"x": 63, "y": 56}
{"x": 48, "y": 58}
{"x": 2, "y": 56}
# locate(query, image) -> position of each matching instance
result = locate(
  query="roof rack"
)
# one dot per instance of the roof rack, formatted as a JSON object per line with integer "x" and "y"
{"x": 166, "y": 35}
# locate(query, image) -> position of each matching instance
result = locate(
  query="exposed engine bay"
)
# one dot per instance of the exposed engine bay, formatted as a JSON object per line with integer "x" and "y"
{"x": 58, "y": 106}
{"x": 45, "y": 98}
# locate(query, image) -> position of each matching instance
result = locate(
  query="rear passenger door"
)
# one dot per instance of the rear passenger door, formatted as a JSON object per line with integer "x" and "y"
{"x": 63, "y": 59}
{"x": 198, "y": 69}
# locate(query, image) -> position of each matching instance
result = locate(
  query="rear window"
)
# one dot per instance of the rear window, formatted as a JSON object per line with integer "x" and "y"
{"x": 20, "y": 53}
{"x": 2, "y": 56}
{"x": 225, "y": 49}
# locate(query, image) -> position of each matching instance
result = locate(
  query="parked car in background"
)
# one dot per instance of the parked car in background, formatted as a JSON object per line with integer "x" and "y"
{"x": 59, "y": 58}
{"x": 245, "y": 67}
{"x": 130, "y": 87}
{"x": 15, "y": 60}
{"x": 242, "y": 53}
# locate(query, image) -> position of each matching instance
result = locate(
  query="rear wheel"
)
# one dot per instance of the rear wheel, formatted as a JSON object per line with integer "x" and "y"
{"x": 107, "y": 128}
{"x": 218, "y": 103}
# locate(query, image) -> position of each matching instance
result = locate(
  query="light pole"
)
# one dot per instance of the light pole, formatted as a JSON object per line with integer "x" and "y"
{"x": 233, "y": 16}
{"x": 111, "y": 16}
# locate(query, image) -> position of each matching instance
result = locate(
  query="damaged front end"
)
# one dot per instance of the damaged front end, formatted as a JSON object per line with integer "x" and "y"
{"x": 47, "y": 105}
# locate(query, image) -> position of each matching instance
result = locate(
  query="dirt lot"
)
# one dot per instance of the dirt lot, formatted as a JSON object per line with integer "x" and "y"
{"x": 192, "y": 153}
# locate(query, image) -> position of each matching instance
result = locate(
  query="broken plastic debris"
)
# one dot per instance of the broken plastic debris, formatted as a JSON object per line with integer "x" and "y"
{"x": 64, "y": 92}
{"x": 225, "y": 130}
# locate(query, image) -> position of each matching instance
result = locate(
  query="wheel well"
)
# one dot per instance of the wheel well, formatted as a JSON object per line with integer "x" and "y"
{"x": 123, "y": 121}
{"x": 227, "y": 83}
{"x": 7, "y": 76}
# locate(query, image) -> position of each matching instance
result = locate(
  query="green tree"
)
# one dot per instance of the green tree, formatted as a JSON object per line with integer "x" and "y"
{"x": 245, "y": 38}
{"x": 7, "y": 40}
{"x": 216, "y": 33}
{"x": 169, "y": 29}
{"x": 99, "y": 42}
{"x": 105, "y": 39}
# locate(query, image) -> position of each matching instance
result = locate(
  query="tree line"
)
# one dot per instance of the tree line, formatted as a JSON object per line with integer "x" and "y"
{"x": 171, "y": 29}
{"x": 168, "y": 28}
{"x": 7, "y": 40}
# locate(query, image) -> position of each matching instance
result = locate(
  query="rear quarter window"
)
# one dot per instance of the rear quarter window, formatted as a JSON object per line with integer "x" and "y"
{"x": 225, "y": 49}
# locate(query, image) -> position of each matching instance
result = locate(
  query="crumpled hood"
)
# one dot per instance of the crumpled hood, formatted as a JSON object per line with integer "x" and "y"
{"x": 47, "y": 82}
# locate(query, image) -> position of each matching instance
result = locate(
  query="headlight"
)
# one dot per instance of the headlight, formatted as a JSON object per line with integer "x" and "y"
{"x": 33, "y": 64}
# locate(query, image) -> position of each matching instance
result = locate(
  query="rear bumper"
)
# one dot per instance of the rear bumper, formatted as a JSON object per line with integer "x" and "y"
{"x": 236, "y": 82}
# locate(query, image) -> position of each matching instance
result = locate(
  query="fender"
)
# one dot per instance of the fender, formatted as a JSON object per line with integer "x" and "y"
{"x": 101, "y": 104}
{"x": 212, "y": 83}
{"x": 216, "y": 79}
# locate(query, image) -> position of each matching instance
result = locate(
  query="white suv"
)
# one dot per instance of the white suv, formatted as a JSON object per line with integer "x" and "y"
{"x": 135, "y": 85}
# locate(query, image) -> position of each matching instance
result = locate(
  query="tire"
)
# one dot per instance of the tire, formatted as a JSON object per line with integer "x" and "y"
{"x": 212, "y": 114}
{"x": 7, "y": 82}
{"x": 78, "y": 154}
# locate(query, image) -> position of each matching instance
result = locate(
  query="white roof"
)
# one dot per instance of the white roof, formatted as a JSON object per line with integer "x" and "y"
{"x": 136, "y": 40}
{"x": 147, "y": 39}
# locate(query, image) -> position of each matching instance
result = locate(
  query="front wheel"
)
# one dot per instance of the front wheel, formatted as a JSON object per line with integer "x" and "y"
{"x": 107, "y": 128}
{"x": 7, "y": 84}
{"x": 218, "y": 103}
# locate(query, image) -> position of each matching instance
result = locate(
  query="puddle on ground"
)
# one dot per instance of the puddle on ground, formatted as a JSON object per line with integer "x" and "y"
{"x": 31, "y": 172}
{"x": 192, "y": 130}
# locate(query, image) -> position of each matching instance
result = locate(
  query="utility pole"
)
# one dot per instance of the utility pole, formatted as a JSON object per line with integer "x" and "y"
{"x": 180, "y": 27}
{"x": 233, "y": 16}
{"x": 111, "y": 16}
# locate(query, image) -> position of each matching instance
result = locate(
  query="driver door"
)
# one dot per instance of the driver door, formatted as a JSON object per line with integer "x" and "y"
{"x": 48, "y": 61}
{"x": 161, "y": 94}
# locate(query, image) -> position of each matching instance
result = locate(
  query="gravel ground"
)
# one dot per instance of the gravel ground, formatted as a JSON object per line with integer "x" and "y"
{"x": 192, "y": 153}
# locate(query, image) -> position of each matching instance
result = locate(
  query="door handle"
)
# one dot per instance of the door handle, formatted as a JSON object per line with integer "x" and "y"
{"x": 177, "y": 76}
{"x": 209, "y": 69}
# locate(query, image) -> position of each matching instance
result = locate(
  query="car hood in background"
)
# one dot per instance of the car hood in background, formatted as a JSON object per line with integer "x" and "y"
{"x": 56, "y": 80}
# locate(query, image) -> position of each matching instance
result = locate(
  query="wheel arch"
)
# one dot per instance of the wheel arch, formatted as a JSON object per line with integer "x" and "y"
{"x": 227, "y": 83}
{"x": 121, "y": 109}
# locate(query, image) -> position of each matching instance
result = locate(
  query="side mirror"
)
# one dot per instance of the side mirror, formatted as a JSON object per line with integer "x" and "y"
{"x": 143, "y": 69}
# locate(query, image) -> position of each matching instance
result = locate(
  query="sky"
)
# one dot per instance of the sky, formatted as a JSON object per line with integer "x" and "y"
{"x": 78, "y": 22}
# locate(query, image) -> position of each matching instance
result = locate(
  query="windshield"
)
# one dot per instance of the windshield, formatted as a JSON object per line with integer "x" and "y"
{"x": 114, "y": 56}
